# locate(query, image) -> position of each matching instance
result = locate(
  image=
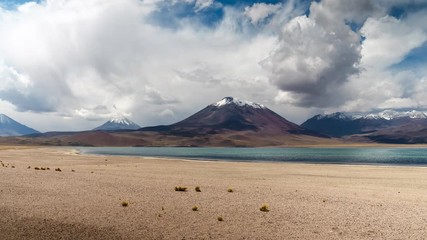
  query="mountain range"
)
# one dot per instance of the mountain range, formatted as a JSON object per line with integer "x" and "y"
{"x": 233, "y": 122}
{"x": 228, "y": 122}
{"x": 388, "y": 126}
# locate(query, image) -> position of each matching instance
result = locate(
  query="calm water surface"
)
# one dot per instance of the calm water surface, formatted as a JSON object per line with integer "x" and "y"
{"x": 387, "y": 156}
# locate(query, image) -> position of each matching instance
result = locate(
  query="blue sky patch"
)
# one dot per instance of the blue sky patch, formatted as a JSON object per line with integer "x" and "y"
{"x": 12, "y": 4}
{"x": 246, "y": 2}
{"x": 170, "y": 14}
{"x": 415, "y": 59}
{"x": 402, "y": 10}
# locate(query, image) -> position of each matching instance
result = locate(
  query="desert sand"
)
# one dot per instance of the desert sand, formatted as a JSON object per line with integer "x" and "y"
{"x": 305, "y": 201}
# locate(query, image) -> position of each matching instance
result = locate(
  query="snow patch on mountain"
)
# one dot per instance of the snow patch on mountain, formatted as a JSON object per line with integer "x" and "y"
{"x": 123, "y": 121}
{"x": 230, "y": 100}
{"x": 392, "y": 114}
{"x": 4, "y": 119}
{"x": 386, "y": 114}
{"x": 337, "y": 115}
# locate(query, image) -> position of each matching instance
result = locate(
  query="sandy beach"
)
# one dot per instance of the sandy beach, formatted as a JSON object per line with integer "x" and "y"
{"x": 305, "y": 201}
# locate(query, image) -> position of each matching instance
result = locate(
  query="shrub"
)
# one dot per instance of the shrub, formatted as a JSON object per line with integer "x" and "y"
{"x": 58, "y": 170}
{"x": 125, "y": 204}
{"x": 198, "y": 189}
{"x": 36, "y": 168}
{"x": 195, "y": 208}
{"x": 180, "y": 189}
{"x": 230, "y": 190}
{"x": 220, "y": 219}
{"x": 264, "y": 208}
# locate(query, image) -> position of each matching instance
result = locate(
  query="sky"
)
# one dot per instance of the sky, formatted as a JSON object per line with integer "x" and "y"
{"x": 70, "y": 65}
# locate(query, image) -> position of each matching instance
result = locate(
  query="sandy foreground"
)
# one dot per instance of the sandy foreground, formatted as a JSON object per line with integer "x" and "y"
{"x": 306, "y": 201}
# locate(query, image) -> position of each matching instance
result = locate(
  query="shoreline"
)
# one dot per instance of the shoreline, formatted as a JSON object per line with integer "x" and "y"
{"x": 306, "y": 201}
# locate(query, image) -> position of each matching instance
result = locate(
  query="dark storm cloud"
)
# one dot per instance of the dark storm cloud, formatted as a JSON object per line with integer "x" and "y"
{"x": 315, "y": 57}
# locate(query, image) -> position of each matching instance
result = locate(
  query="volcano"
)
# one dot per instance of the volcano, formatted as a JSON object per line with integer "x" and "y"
{"x": 232, "y": 114}
{"x": 118, "y": 124}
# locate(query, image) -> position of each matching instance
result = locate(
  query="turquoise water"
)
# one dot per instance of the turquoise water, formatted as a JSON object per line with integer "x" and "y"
{"x": 387, "y": 156}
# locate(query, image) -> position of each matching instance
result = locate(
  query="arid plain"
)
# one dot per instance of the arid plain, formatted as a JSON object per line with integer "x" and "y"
{"x": 305, "y": 201}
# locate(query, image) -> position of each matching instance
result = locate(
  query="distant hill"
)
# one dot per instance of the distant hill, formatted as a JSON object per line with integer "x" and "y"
{"x": 118, "y": 124}
{"x": 10, "y": 127}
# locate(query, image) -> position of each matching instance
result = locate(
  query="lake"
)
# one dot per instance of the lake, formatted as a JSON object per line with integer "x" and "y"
{"x": 377, "y": 156}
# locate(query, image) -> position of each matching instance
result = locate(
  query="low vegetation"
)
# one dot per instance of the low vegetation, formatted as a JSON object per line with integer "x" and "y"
{"x": 264, "y": 208}
{"x": 181, "y": 189}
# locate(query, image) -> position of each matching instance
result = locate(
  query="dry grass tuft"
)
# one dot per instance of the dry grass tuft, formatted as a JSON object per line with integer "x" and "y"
{"x": 264, "y": 208}
{"x": 180, "y": 189}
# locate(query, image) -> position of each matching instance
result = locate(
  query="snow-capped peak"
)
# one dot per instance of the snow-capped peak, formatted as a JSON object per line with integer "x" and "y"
{"x": 4, "y": 119}
{"x": 392, "y": 114}
{"x": 238, "y": 102}
{"x": 416, "y": 114}
{"x": 123, "y": 121}
{"x": 118, "y": 123}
